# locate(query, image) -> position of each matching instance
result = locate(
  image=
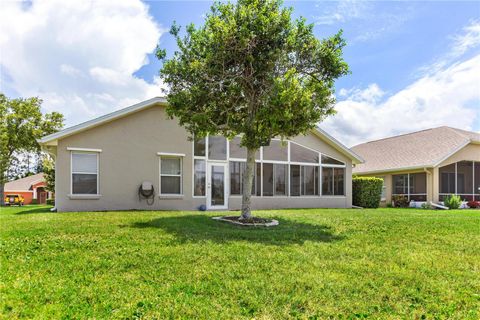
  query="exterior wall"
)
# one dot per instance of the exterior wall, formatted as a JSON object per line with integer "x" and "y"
{"x": 27, "y": 195}
{"x": 129, "y": 156}
{"x": 470, "y": 152}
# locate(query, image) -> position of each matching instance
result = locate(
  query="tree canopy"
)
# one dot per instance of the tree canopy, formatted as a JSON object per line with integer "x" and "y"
{"x": 21, "y": 124}
{"x": 252, "y": 70}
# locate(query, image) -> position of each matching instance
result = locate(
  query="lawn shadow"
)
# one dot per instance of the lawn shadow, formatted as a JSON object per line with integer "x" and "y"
{"x": 26, "y": 210}
{"x": 191, "y": 228}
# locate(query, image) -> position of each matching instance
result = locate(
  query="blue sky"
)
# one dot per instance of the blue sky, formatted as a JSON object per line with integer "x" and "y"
{"x": 414, "y": 64}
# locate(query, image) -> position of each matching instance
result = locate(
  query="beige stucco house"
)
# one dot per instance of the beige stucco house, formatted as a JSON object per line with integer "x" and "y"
{"x": 425, "y": 165}
{"x": 101, "y": 164}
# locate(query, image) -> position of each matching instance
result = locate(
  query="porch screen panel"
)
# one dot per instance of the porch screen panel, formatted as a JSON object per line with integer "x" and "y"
{"x": 275, "y": 151}
{"x": 280, "y": 171}
{"x": 465, "y": 180}
{"x": 268, "y": 179}
{"x": 294, "y": 180}
{"x": 418, "y": 186}
{"x": 400, "y": 184}
{"x": 339, "y": 181}
{"x": 327, "y": 181}
{"x": 447, "y": 179}
{"x": 217, "y": 148}
{"x": 199, "y": 178}
{"x": 477, "y": 181}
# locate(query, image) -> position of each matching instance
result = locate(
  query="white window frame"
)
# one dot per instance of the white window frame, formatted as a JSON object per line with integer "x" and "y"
{"x": 170, "y": 156}
{"x": 84, "y": 151}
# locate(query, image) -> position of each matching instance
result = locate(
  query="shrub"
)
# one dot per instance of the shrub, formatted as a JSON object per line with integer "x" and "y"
{"x": 400, "y": 201}
{"x": 367, "y": 191}
{"x": 34, "y": 201}
{"x": 51, "y": 202}
{"x": 452, "y": 201}
{"x": 426, "y": 205}
{"x": 473, "y": 204}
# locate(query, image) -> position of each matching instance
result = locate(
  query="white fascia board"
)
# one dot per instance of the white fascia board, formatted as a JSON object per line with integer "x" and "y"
{"x": 362, "y": 173}
{"x": 356, "y": 159}
{"x": 83, "y": 149}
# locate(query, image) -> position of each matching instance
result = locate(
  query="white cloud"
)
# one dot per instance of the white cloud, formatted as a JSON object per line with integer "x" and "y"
{"x": 79, "y": 56}
{"x": 341, "y": 11}
{"x": 470, "y": 38}
{"x": 450, "y": 96}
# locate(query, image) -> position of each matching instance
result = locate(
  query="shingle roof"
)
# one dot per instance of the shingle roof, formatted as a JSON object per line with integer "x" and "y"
{"x": 24, "y": 184}
{"x": 424, "y": 148}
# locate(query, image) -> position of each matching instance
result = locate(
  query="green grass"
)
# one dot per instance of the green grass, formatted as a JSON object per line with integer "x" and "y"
{"x": 384, "y": 263}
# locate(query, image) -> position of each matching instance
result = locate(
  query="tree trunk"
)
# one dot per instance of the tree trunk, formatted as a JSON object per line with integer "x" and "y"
{"x": 2, "y": 196}
{"x": 247, "y": 184}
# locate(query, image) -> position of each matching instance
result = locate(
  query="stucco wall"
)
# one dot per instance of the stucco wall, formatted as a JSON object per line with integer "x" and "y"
{"x": 129, "y": 156}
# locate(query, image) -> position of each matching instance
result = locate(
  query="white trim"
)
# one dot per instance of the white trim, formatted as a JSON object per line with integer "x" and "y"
{"x": 170, "y": 154}
{"x": 452, "y": 152}
{"x": 339, "y": 146}
{"x": 84, "y": 196}
{"x": 399, "y": 170}
{"x": 101, "y": 120}
{"x": 83, "y": 149}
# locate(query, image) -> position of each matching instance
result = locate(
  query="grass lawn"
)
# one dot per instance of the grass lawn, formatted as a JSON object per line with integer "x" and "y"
{"x": 319, "y": 263}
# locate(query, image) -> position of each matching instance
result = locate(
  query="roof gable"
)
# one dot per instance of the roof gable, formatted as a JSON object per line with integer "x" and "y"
{"x": 52, "y": 139}
{"x": 24, "y": 184}
{"x": 426, "y": 148}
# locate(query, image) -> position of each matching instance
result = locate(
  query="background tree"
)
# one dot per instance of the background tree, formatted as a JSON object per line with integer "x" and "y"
{"x": 48, "y": 168}
{"x": 21, "y": 124}
{"x": 252, "y": 70}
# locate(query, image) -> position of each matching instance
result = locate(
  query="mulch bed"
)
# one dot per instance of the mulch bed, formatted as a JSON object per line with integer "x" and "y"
{"x": 251, "y": 222}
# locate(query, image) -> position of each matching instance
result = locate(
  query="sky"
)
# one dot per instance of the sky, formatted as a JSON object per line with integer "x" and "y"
{"x": 414, "y": 65}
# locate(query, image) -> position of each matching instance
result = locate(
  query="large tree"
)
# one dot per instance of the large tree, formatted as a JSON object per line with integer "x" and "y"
{"x": 252, "y": 70}
{"x": 21, "y": 124}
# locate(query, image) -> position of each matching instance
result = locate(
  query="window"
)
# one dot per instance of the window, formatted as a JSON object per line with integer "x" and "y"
{"x": 275, "y": 151}
{"x": 199, "y": 148}
{"x": 217, "y": 148}
{"x": 84, "y": 173}
{"x": 170, "y": 175}
{"x": 301, "y": 154}
{"x": 199, "y": 178}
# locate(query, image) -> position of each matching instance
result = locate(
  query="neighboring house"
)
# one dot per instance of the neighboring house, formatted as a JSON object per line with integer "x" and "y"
{"x": 100, "y": 165}
{"x": 425, "y": 165}
{"x": 31, "y": 188}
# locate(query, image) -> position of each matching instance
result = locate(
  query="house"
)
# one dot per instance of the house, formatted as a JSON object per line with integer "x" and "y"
{"x": 425, "y": 165}
{"x": 31, "y": 188}
{"x": 101, "y": 164}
